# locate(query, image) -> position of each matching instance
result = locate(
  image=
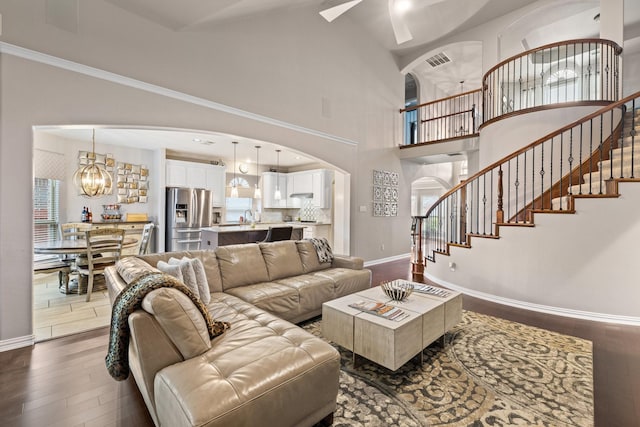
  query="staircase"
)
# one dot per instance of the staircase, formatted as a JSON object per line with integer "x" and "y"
{"x": 585, "y": 159}
{"x": 623, "y": 162}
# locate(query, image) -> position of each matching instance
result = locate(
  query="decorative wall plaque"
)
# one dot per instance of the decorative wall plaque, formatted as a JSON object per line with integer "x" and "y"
{"x": 385, "y": 193}
{"x": 132, "y": 183}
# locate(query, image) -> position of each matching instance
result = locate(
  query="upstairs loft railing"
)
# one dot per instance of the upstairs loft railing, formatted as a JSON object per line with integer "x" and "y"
{"x": 581, "y": 159}
{"x": 574, "y": 71}
{"x": 448, "y": 118}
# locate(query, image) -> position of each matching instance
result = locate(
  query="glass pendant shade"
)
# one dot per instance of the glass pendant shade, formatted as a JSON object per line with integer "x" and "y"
{"x": 277, "y": 195}
{"x": 257, "y": 193}
{"x": 92, "y": 179}
{"x": 234, "y": 183}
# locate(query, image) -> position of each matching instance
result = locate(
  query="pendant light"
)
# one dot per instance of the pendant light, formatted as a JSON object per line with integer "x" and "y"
{"x": 257, "y": 193}
{"x": 234, "y": 183}
{"x": 277, "y": 195}
{"x": 461, "y": 130}
{"x": 92, "y": 180}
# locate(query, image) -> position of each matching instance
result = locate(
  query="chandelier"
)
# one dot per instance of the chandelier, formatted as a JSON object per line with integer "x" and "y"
{"x": 92, "y": 179}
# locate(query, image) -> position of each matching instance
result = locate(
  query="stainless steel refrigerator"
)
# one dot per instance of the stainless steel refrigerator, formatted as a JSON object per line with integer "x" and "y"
{"x": 188, "y": 210}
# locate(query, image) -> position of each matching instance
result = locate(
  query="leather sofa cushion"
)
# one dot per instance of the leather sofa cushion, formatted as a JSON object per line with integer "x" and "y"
{"x": 312, "y": 289}
{"x": 282, "y": 259}
{"x": 130, "y": 268}
{"x": 347, "y": 281}
{"x": 241, "y": 265}
{"x": 277, "y": 299}
{"x": 309, "y": 257}
{"x": 263, "y": 371}
{"x": 180, "y": 320}
{"x": 207, "y": 257}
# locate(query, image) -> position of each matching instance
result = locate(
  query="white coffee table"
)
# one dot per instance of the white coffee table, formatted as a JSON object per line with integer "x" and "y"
{"x": 390, "y": 343}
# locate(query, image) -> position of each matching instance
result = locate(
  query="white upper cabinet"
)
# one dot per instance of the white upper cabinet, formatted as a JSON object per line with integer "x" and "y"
{"x": 197, "y": 175}
{"x": 318, "y": 182}
{"x": 269, "y": 180}
{"x": 322, "y": 184}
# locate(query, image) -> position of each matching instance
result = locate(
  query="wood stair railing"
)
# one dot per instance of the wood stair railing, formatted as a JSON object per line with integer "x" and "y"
{"x": 507, "y": 192}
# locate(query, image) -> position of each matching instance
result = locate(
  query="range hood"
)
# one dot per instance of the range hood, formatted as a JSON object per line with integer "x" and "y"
{"x": 301, "y": 195}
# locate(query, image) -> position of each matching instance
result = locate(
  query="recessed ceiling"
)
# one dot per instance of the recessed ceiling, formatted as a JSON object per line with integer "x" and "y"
{"x": 180, "y": 143}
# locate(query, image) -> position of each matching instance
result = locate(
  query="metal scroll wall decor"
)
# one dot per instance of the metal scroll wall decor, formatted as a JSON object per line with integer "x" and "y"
{"x": 385, "y": 193}
{"x": 132, "y": 183}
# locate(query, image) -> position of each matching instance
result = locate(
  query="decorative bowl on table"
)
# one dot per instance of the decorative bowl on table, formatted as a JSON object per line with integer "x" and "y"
{"x": 397, "y": 290}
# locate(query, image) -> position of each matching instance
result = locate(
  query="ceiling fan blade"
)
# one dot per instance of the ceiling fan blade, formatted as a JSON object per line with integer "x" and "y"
{"x": 400, "y": 29}
{"x": 333, "y": 12}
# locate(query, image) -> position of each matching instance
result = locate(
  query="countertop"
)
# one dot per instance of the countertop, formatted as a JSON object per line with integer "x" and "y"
{"x": 258, "y": 226}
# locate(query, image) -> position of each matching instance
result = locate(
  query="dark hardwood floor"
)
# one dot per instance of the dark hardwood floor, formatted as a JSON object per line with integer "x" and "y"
{"x": 64, "y": 382}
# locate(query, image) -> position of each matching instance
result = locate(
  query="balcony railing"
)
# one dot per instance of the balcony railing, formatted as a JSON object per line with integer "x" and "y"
{"x": 574, "y": 71}
{"x": 582, "y": 159}
{"x": 449, "y": 118}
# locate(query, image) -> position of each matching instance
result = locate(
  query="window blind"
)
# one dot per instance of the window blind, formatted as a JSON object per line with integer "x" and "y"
{"x": 46, "y": 209}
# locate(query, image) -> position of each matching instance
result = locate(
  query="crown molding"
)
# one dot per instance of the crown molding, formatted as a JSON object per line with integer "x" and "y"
{"x": 54, "y": 61}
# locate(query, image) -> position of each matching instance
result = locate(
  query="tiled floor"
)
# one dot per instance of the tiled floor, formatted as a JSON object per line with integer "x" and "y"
{"x": 56, "y": 314}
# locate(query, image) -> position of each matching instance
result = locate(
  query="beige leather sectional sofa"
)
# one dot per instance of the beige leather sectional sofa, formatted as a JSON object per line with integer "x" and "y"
{"x": 264, "y": 370}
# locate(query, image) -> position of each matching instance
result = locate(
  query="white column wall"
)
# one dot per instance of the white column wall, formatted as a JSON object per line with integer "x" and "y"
{"x": 567, "y": 264}
{"x": 284, "y": 68}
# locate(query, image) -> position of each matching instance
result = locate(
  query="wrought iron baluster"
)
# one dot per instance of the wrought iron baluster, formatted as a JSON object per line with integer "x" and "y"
{"x": 601, "y": 147}
{"x": 633, "y": 136}
{"x": 517, "y": 184}
{"x": 542, "y": 172}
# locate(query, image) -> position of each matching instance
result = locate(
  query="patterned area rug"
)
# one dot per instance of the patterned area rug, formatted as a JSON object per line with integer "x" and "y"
{"x": 492, "y": 372}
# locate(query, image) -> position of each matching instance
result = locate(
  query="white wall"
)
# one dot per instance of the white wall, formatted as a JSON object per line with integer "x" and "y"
{"x": 283, "y": 67}
{"x": 589, "y": 273}
{"x": 501, "y": 138}
{"x": 71, "y": 204}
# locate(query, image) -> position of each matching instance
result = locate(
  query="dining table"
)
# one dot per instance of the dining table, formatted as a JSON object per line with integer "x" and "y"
{"x": 71, "y": 247}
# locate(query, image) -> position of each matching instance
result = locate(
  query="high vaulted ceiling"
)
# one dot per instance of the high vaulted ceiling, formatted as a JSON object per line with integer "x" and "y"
{"x": 428, "y": 21}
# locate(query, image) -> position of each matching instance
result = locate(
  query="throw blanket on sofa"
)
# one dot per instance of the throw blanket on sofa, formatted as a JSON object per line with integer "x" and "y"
{"x": 323, "y": 249}
{"x": 129, "y": 300}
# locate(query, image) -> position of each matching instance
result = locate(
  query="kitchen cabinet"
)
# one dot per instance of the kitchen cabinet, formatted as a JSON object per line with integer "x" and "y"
{"x": 322, "y": 187}
{"x": 269, "y": 180}
{"x": 216, "y": 182}
{"x": 181, "y": 173}
{"x": 317, "y": 181}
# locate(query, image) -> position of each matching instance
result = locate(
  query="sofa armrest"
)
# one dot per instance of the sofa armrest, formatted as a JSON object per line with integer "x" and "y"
{"x": 115, "y": 283}
{"x": 345, "y": 261}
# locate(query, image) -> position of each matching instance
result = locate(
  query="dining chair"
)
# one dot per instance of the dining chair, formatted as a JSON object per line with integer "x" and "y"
{"x": 147, "y": 231}
{"x": 104, "y": 247}
{"x": 275, "y": 234}
{"x": 74, "y": 230}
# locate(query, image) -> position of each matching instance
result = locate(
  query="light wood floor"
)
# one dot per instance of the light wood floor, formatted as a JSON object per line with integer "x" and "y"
{"x": 56, "y": 314}
{"x": 63, "y": 382}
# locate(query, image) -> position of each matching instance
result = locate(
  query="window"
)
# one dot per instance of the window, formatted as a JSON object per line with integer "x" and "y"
{"x": 46, "y": 209}
{"x": 236, "y": 207}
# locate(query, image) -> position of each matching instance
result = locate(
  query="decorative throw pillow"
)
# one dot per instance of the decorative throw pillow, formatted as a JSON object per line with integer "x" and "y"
{"x": 323, "y": 249}
{"x": 180, "y": 319}
{"x": 171, "y": 270}
{"x": 188, "y": 275}
{"x": 201, "y": 279}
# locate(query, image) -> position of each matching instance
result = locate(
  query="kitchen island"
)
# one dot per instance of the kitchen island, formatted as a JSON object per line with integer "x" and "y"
{"x": 225, "y": 235}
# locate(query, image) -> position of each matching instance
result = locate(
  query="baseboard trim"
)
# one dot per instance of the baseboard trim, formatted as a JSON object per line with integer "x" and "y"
{"x": 559, "y": 311}
{"x": 19, "y": 342}
{"x": 76, "y": 67}
{"x": 389, "y": 259}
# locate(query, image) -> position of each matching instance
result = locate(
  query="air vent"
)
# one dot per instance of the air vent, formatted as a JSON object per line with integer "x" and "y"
{"x": 438, "y": 59}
